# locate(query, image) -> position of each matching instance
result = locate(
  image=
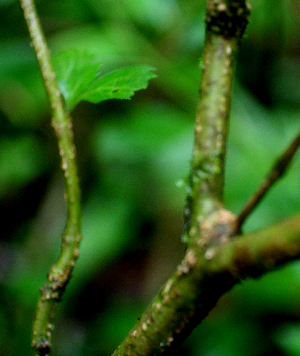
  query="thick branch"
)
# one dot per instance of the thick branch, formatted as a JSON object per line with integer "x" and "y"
{"x": 60, "y": 273}
{"x": 198, "y": 282}
{"x": 194, "y": 289}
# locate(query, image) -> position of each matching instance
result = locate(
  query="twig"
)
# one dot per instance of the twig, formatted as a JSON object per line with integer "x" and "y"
{"x": 276, "y": 172}
{"x": 60, "y": 272}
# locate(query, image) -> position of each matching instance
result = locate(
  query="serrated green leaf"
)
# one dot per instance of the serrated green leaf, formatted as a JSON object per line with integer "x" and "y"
{"x": 78, "y": 79}
{"x": 119, "y": 84}
{"x": 75, "y": 71}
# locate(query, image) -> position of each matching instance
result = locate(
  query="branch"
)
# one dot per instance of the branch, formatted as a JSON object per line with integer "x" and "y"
{"x": 225, "y": 24}
{"x": 276, "y": 172}
{"x": 194, "y": 288}
{"x": 60, "y": 272}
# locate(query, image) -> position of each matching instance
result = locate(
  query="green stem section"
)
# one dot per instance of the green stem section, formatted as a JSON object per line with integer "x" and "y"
{"x": 60, "y": 272}
{"x": 225, "y": 25}
{"x": 205, "y": 192}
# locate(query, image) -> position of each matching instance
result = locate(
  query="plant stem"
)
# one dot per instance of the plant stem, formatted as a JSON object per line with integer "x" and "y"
{"x": 276, "y": 172}
{"x": 193, "y": 290}
{"x": 205, "y": 191}
{"x": 226, "y": 22}
{"x": 60, "y": 272}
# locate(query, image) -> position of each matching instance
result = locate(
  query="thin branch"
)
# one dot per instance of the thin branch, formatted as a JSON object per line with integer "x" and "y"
{"x": 60, "y": 272}
{"x": 276, "y": 172}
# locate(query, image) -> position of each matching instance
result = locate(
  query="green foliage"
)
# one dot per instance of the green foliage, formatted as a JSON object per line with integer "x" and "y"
{"x": 288, "y": 338}
{"x": 27, "y": 154}
{"x": 79, "y": 79}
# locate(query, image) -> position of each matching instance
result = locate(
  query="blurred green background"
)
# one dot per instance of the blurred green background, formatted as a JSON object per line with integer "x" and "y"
{"x": 133, "y": 157}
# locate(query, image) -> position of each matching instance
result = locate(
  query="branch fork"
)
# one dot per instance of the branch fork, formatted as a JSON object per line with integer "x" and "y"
{"x": 216, "y": 257}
